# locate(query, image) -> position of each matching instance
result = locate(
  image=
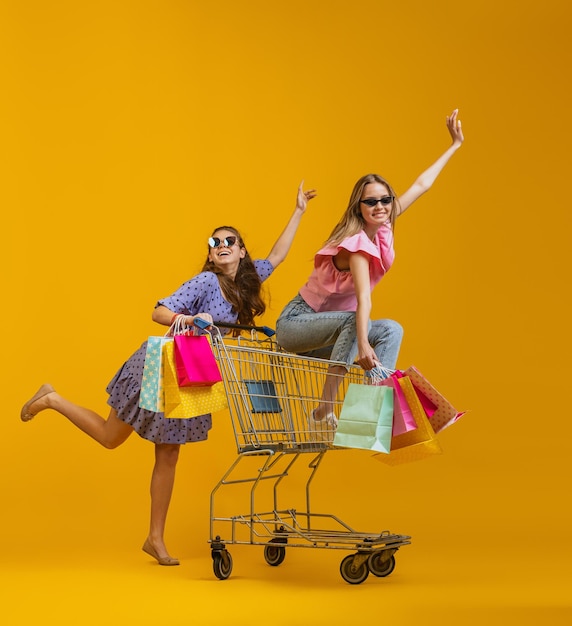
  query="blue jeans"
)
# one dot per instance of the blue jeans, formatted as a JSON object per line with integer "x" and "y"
{"x": 332, "y": 334}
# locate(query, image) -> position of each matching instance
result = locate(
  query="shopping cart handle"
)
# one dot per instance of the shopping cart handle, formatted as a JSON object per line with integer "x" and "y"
{"x": 269, "y": 332}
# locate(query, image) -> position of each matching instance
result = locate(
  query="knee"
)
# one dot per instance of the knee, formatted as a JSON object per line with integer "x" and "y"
{"x": 111, "y": 441}
{"x": 384, "y": 331}
{"x": 284, "y": 336}
{"x": 395, "y": 330}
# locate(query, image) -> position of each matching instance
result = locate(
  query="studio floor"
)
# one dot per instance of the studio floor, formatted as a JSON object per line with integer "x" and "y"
{"x": 504, "y": 578}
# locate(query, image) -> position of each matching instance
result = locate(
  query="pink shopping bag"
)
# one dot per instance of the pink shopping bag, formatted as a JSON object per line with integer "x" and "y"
{"x": 428, "y": 406}
{"x": 195, "y": 362}
{"x": 443, "y": 413}
{"x": 403, "y": 420}
{"x": 417, "y": 444}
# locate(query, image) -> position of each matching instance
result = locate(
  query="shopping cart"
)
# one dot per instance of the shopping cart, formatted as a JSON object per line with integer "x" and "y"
{"x": 271, "y": 394}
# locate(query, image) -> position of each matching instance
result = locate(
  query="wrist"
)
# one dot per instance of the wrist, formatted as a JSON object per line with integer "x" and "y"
{"x": 175, "y": 316}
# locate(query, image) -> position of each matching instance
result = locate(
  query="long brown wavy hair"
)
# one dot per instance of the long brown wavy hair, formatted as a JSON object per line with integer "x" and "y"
{"x": 245, "y": 291}
{"x": 352, "y": 221}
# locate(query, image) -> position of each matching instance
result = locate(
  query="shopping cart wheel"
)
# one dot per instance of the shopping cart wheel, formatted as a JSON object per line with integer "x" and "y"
{"x": 274, "y": 554}
{"x": 379, "y": 566}
{"x": 354, "y": 570}
{"x": 222, "y": 564}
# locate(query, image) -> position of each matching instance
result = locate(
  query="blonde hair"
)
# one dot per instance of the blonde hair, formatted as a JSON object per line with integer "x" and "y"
{"x": 352, "y": 221}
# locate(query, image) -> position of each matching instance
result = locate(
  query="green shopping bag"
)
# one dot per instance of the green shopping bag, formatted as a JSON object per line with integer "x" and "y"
{"x": 366, "y": 418}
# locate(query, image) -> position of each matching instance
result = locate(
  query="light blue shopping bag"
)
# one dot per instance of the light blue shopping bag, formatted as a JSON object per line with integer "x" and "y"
{"x": 152, "y": 396}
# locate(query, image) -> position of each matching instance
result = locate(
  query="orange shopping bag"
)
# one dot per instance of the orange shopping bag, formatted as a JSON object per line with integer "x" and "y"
{"x": 416, "y": 444}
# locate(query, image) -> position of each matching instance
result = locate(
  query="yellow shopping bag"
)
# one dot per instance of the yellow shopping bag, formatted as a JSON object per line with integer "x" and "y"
{"x": 186, "y": 402}
{"x": 416, "y": 444}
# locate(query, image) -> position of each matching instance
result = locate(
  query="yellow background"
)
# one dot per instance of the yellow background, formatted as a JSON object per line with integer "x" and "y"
{"x": 129, "y": 131}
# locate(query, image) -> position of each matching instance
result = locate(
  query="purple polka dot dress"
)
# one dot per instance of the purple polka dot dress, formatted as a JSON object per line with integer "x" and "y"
{"x": 201, "y": 294}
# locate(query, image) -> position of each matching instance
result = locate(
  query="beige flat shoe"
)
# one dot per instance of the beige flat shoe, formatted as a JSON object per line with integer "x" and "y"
{"x": 323, "y": 429}
{"x": 162, "y": 560}
{"x": 25, "y": 414}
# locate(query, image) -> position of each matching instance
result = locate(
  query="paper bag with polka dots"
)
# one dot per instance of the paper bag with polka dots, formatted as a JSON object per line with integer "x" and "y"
{"x": 187, "y": 402}
{"x": 445, "y": 413}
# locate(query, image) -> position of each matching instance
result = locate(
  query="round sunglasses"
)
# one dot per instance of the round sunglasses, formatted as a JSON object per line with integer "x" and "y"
{"x": 215, "y": 242}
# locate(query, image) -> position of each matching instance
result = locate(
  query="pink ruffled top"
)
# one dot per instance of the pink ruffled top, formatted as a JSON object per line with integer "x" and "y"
{"x": 331, "y": 289}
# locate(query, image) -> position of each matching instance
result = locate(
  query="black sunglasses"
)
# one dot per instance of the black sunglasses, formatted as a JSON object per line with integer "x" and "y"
{"x": 371, "y": 202}
{"x": 215, "y": 242}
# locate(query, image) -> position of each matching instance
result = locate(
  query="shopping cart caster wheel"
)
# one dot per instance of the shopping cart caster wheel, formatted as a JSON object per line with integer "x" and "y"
{"x": 274, "y": 554}
{"x": 351, "y": 573}
{"x": 379, "y": 566}
{"x": 222, "y": 564}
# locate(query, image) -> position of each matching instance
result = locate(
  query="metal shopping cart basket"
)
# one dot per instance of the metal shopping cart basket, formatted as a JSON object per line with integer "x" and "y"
{"x": 271, "y": 394}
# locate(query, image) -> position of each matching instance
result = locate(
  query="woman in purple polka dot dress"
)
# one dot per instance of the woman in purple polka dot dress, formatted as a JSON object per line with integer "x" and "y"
{"x": 227, "y": 290}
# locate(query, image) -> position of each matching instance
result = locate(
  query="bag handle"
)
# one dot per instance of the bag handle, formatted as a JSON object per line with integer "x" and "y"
{"x": 378, "y": 373}
{"x": 180, "y": 327}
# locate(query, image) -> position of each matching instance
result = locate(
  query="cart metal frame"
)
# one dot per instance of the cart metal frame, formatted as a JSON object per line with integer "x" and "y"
{"x": 271, "y": 394}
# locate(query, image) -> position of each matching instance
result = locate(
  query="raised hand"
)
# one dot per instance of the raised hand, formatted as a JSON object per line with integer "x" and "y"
{"x": 455, "y": 129}
{"x": 304, "y": 196}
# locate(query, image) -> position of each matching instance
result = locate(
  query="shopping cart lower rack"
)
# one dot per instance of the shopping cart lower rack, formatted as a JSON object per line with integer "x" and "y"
{"x": 271, "y": 395}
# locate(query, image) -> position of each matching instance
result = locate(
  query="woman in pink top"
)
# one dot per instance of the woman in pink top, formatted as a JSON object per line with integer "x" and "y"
{"x": 330, "y": 317}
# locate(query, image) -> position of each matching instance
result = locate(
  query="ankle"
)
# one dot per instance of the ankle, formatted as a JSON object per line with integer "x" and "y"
{"x": 49, "y": 401}
{"x": 318, "y": 414}
{"x": 322, "y": 411}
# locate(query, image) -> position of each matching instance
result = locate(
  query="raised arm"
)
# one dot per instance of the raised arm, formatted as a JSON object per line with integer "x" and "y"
{"x": 427, "y": 178}
{"x": 283, "y": 244}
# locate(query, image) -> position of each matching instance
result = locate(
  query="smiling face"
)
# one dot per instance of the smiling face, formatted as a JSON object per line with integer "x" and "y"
{"x": 227, "y": 257}
{"x": 378, "y": 214}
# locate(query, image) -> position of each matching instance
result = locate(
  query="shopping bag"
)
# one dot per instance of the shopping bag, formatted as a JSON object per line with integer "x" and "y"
{"x": 416, "y": 444}
{"x": 428, "y": 406}
{"x": 186, "y": 402}
{"x": 366, "y": 418}
{"x": 445, "y": 413}
{"x": 195, "y": 361}
{"x": 151, "y": 396}
{"x": 403, "y": 420}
